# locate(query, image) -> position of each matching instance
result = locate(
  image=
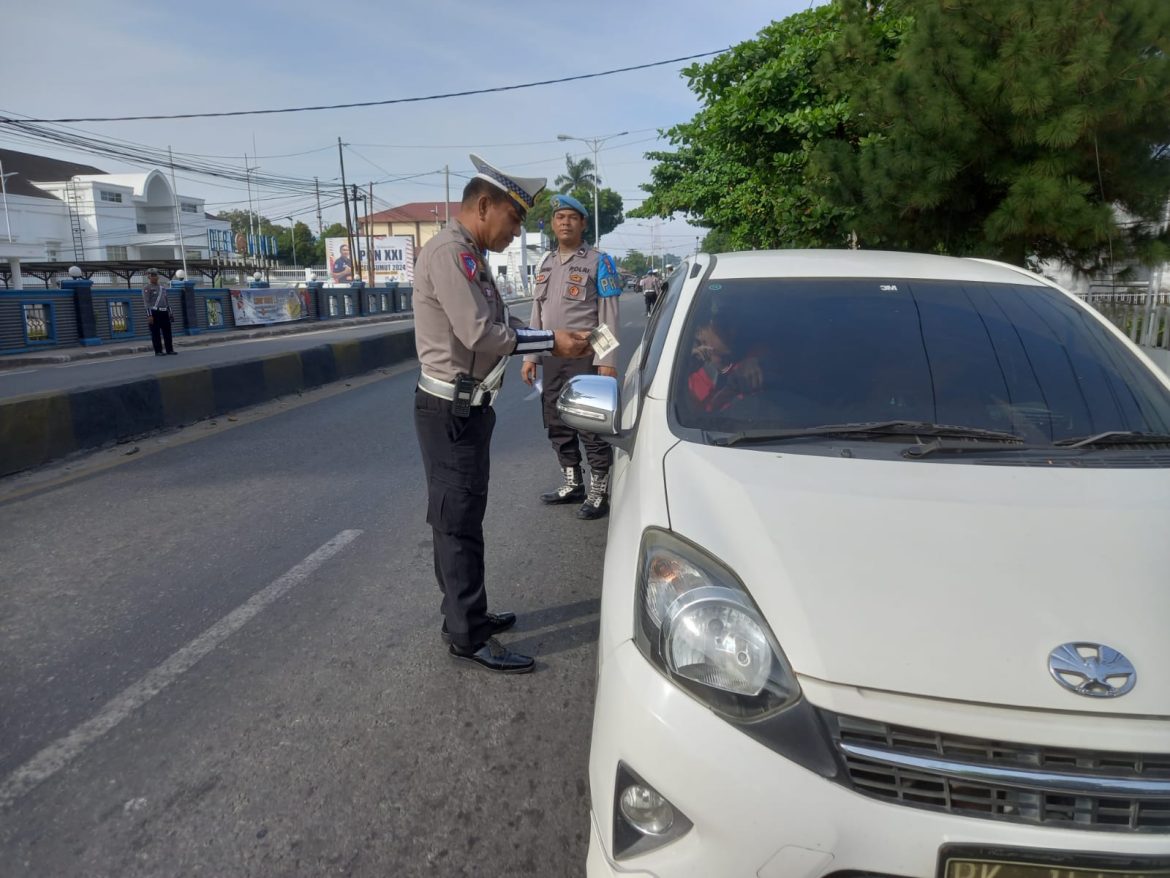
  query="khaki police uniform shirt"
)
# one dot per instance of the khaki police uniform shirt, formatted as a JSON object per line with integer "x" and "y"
{"x": 566, "y": 297}
{"x": 154, "y": 297}
{"x": 458, "y": 313}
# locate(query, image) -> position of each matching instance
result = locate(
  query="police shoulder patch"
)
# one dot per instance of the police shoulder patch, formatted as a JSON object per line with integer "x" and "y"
{"x": 470, "y": 266}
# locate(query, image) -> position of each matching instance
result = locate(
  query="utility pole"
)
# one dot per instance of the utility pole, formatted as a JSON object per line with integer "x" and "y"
{"x": 370, "y": 233}
{"x": 178, "y": 213}
{"x": 259, "y": 225}
{"x": 320, "y": 225}
{"x": 251, "y": 212}
{"x": 447, "y": 177}
{"x": 353, "y": 254}
{"x": 594, "y": 143}
{"x": 358, "y": 232}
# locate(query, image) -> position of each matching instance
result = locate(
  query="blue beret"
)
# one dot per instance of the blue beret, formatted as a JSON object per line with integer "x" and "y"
{"x": 561, "y": 202}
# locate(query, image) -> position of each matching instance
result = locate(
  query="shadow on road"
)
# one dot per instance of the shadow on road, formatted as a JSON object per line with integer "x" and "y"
{"x": 555, "y": 629}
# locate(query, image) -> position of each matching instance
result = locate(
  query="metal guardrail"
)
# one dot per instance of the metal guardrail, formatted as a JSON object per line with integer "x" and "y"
{"x": 1145, "y": 319}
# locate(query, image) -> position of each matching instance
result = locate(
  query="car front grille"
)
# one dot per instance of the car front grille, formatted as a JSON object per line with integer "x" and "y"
{"x": 973, "y": 777}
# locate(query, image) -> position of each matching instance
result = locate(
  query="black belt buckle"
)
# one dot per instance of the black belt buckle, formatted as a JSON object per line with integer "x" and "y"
{"x": 464, "y": 391}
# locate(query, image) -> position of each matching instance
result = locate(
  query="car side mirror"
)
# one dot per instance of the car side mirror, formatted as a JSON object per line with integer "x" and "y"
{"x": 591, "y": 404}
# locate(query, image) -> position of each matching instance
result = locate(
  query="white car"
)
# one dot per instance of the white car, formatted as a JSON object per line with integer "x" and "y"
{"x": 887, "y": 583}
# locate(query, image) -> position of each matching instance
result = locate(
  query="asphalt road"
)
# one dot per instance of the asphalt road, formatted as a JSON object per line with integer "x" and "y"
{"x": 20, "y": 380}
{"x": 220, "y": 655}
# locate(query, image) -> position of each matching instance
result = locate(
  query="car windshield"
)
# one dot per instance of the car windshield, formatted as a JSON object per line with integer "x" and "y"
{"x": 784, "y": 354}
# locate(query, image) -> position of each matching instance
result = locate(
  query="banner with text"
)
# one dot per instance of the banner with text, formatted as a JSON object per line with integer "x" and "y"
{"x": 393, "y": 260}
{"x": 272, "y": 305}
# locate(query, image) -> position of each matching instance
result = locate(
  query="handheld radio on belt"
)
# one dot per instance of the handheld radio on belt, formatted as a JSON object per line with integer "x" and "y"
{"x": 464, "y": 390}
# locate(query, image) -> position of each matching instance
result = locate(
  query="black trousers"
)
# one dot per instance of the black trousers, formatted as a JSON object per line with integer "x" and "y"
{"x": 651, "y": 298}
{"x": 160, "y": 331}
{"x": 557, "y": 372}
{"x": 456, "y": 458}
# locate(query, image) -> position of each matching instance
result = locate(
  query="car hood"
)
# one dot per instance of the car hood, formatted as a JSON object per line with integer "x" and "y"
{"x": 943, "y": 580}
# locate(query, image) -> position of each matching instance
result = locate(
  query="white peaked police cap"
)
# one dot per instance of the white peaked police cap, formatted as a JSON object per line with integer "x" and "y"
{"x": 522, "y": 190}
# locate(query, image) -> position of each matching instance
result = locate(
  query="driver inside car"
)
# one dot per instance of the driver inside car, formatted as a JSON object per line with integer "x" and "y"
{"x": 726, "y": 372}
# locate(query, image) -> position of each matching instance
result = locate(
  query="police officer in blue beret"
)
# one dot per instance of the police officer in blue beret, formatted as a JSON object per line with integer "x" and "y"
{"x": 575, "y": 290}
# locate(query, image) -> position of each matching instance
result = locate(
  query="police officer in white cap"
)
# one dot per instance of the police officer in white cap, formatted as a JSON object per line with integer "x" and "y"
{"x": 569, "y": 296}
{"x": 464, "y": 337}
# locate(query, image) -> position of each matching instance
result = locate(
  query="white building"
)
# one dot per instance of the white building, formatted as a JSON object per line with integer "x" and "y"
{"x": 62, "y": 211}
{"x": 509, "y": 267}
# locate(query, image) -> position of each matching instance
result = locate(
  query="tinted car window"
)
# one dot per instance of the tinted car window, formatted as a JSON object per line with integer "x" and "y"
{"x": 659, "y": 323}
{"x": 782, "y": 353}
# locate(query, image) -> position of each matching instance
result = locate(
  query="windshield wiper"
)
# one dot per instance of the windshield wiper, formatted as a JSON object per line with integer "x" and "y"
{"x": 868, "y": 428}
{"x": 1112, "y": 437}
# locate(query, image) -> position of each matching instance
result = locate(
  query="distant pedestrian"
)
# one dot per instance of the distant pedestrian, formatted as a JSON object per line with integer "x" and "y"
{"x": 158, "y": 314}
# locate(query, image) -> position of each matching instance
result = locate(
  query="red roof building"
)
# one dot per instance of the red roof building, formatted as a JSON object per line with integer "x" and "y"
{"x": 420, "y": 220}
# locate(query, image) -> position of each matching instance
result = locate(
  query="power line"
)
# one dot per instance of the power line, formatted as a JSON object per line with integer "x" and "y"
{"x": 382, "y": 103}
{"x": 484, "y": 145}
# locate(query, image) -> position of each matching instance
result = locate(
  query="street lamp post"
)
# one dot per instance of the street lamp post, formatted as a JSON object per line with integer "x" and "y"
{"x": 594, "y": 143}
{"x": 292, "y": 233}
{"x": 4, "y": 188}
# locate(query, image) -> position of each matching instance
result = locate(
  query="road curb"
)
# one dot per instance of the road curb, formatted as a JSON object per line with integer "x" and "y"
{"x": 39, "y": 428}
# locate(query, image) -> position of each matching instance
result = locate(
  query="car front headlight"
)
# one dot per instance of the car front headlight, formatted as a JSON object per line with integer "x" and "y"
{"x": 698, "y": 624}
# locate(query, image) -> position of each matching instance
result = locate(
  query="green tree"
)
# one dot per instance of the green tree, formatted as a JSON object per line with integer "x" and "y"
{"x": 741, "y": 164}
{"x": 1019, "y": 129}
{"x": 301, "y": 234}
{"x": 579, "y": 173}
{"x": 241, "y": 220}
{"x": 337, "y": 230}
{"x": 610, "y": 211}
{"x": 716, "y": 241}
{"x": 635, "y": 262}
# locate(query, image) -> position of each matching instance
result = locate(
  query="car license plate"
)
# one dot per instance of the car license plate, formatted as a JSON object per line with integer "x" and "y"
{"x": 964, "y": 868}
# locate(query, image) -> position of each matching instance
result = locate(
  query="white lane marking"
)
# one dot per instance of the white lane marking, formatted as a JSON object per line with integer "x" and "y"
{"x": 8, "y": 372}
{"x": 64, "y": 750}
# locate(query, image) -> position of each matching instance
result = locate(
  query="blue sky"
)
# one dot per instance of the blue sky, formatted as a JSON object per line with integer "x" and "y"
{"x": 132, "y": 58}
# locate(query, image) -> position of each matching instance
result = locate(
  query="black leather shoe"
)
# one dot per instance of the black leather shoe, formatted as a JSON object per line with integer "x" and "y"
{"x": 172, "y": 353}
{"x": 499, "y": 622}
{"x": 493, "y": 656}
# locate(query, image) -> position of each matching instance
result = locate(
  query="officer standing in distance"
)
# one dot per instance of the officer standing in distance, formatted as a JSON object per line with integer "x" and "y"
{"x": 158, "y": 314}
{"x": 568, "y": 296}
{"x": 650, "y": 287}
{"x": 464, "y": 337}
